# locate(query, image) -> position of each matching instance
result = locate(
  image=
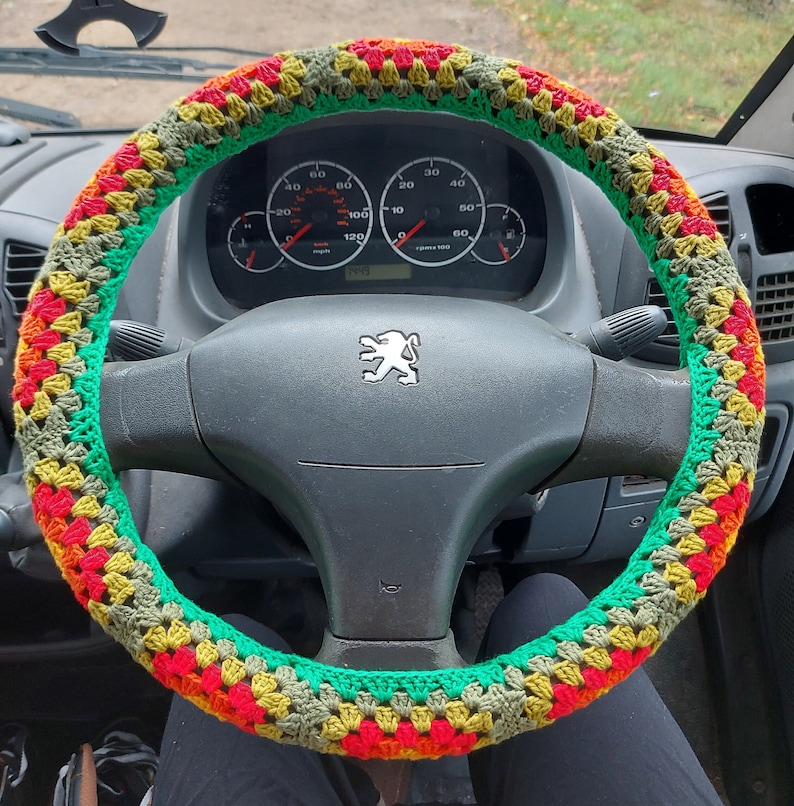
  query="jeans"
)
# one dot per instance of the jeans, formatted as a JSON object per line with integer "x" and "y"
{"x": 624, "y": 748}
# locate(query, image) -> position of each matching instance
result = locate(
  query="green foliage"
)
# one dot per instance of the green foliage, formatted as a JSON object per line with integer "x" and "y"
{"x": 683, "y": 66}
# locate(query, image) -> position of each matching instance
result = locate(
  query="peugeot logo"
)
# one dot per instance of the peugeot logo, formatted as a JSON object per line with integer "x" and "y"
{"x": 395, "y": 351}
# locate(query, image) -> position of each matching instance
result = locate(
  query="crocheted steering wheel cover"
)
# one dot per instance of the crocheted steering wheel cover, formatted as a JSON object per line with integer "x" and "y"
{"x": 86, "y": 520}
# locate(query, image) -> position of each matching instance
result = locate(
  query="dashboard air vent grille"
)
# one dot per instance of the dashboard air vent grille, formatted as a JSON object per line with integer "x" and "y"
{"x": 774, "y": 306}
{"x": 720, "y": 211}
{"x": 655, "y": 296}
{"x": 21, "y": 264}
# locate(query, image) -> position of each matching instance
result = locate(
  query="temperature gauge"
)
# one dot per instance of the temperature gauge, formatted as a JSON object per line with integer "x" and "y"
{"x": 250, "y": 244}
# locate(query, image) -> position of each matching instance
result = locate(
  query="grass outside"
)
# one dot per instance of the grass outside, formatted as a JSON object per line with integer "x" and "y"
{"x": 682, "y": 65}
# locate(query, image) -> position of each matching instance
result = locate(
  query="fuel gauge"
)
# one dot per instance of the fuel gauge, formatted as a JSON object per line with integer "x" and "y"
{"x": 502, "y": 236}
{"x": 250, "y": 244}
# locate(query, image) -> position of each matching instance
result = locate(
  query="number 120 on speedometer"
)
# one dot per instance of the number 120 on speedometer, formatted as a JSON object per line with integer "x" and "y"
{"x": 432, "y": 211}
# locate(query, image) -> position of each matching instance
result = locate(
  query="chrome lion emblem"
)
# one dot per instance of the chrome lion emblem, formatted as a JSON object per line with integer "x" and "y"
{"x": 395, "y": 351}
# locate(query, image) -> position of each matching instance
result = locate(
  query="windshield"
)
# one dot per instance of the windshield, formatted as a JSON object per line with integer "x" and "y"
{"x": 681, "y": 68}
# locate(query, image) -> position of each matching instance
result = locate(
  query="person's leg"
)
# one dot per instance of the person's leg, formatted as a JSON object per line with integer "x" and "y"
{"x": 205, "y": 761}
{"x": 624, "y": 748}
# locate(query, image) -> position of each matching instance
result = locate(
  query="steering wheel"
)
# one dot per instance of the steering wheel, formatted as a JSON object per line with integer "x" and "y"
{"x": 389, "y": 482}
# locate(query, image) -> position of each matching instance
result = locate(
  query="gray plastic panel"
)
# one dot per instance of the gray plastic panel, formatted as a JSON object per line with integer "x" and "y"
{"x": 390, "y": 483}
{"x": 389, "y": 468}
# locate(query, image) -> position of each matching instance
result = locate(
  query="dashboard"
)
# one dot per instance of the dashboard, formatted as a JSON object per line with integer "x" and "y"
{"x": 388, "y": 208}
{"x": 411, "y": 203}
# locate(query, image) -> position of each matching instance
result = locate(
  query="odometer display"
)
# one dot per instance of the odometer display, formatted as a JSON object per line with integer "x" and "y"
{"x": 432, "y": 211}
{"x": 319, "y": 215}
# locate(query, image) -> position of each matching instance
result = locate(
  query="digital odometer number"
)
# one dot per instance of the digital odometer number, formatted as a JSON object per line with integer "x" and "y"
{"x": 432, "y": 211}
{"x": 319, "y": 215}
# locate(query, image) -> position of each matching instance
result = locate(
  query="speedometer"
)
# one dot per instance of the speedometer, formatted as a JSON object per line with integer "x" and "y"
{"x": 432, "y": 211}
{"x": 319, "y": 215}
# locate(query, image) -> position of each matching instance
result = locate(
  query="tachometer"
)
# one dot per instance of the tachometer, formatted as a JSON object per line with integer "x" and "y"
{"x": 319, "y": 215}
{"x": 432, "y": 211}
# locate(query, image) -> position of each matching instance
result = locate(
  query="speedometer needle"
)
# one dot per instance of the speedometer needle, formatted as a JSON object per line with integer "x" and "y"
{"x": 299, "y": 234}
{"x": 410, "y": 234}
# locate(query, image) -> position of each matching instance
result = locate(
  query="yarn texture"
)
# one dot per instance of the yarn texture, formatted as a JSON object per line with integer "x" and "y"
{"x": 84, "y": 515}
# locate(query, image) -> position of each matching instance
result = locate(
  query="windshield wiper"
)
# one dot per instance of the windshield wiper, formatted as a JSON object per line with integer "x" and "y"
{"x": 119, "y": 63}
{"x": 42, "y": 115}
{"x": 64, "y": 57}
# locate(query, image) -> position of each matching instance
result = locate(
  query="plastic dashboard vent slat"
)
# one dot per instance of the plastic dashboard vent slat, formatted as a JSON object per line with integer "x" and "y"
{"x": 774, "y": 306}
{"x": 655, "y": 296}
{"x": 719, "y": 209}
{"x": 21, "y": 263}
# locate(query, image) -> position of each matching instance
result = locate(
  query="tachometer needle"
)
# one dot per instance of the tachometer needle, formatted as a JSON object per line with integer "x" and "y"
{"x": 299, "y": 234}
{"x": 410, "y": 234}
{"x": 505, "y": 253}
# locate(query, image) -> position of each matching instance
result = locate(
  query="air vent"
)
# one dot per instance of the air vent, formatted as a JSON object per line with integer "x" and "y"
{"x": 655, "y": 296}
{"x": 21, "y": 265}
{"x": 720, "y": 211}
{"x": 774, "y": 306}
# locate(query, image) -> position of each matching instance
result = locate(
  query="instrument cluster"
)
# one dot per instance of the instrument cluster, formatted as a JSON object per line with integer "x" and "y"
{"x": 384, "y": 208}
